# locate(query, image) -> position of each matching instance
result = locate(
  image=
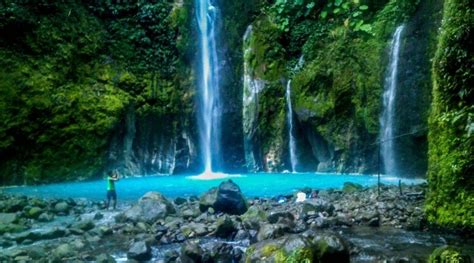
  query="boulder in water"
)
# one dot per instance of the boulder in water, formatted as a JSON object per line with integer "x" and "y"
{"x": 226, "y": 198}
{"x": 140, "y": 251}
{"x": 151, "y": 207}
{"x": 191, "y": 252}
{"x": 330, "y": 247}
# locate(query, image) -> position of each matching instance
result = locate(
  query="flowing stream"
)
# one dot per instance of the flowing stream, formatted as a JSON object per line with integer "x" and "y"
{"x": 388, "y": 116}
{"x": 209, "y": 115}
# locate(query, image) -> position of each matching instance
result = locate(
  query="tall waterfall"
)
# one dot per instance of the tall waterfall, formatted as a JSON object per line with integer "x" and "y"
{"x": 292, "y": 141}
{"x": 209, "y": 115}
{"x": 387, "y": 119}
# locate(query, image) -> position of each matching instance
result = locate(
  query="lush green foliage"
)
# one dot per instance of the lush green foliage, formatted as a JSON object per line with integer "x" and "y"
{"x": 451, "y": 136}
{"x": 338, "y": 88}
{"x": 68, "y": 71}
{"x": 447, "y": 254}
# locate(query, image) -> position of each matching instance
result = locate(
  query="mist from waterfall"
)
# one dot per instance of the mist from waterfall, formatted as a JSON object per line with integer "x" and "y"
{"x": 388, "y": 115}
{"x": 209, "y": 115}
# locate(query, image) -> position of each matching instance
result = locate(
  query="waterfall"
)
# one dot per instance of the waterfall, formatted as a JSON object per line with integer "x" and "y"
{"x": 289, "y": 116}
{"x": 387, "y": 119}
{"x": 251, "y": 89}
{"x": 209, "y": 115}
{"x": 292, "y": 142}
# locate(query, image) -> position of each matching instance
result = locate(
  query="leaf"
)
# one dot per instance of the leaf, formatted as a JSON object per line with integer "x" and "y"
{"x": 337, "y": 2}
{"x": 310, "y": 5}
{"x": 336, "y": 11}
{"x": 346, "y": 22}
{"x": 366, "y": 28}
{"x": 363, "y": 7}
{"x": 324, "y": 14}
{"x": 356, "y": 14}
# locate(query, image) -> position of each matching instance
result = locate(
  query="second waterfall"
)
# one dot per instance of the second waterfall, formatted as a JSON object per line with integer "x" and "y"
{"x": 209, "y": 114}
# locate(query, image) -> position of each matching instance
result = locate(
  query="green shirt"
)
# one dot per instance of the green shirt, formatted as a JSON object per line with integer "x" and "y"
{"x": 110, "y": 184}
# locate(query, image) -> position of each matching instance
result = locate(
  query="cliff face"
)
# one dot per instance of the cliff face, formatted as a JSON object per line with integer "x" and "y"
{"x": 336, "y": 59}
{"x": 88, "y": 86}
{"x": 451, "y": 136}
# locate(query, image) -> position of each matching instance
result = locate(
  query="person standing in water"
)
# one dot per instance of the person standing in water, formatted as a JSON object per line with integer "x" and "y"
{"x": 111, "y": 194}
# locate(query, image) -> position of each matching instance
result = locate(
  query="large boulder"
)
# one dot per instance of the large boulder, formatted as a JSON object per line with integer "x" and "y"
{"x": 151, "y": 207}
{"x": 227, "y": 198}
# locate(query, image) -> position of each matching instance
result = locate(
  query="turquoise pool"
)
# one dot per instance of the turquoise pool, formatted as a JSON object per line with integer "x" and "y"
{"x": 252, "y": 185}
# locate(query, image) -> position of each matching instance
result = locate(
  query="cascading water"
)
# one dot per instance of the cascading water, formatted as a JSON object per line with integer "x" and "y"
{"x": 387, "y": 119}
{"x": 289, "y": 116}
{"x": 292, "y": 141}
{"x": 209, "y": 115}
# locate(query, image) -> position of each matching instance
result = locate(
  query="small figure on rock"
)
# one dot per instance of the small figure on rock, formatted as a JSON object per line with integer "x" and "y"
{"x": 314, "y": 194}
{"x": 111, "y": 194}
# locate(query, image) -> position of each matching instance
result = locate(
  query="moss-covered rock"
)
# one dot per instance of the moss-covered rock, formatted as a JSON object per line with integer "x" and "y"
{"x": 299, "y": 248}
{"x": 72, "y": 72}
{"x": 450, "y": 199}
{"x": 286, "y": 249}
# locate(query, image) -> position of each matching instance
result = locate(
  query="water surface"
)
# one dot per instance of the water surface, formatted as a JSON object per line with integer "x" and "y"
{"x": 252, "y": 185}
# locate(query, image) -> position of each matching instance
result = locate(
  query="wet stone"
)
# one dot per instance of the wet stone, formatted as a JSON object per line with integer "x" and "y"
{"x": 139, "y": 251}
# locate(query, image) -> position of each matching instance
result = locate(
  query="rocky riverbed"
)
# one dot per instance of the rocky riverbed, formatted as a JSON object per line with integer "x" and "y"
{"x": 353, "y": 224}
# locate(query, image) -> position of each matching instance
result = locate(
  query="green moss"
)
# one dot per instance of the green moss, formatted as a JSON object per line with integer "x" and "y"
{"x": 448, "y": 255}
{"x": 450, "y": 201}
{"x": 303, "y": 255}
{"x": 269, "y": 250}
{"x": 67, "y": 77}
{"x": 267, "y": 56}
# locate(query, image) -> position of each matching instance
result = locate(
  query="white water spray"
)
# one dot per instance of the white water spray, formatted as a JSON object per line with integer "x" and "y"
{"x": 387, "y": 119}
